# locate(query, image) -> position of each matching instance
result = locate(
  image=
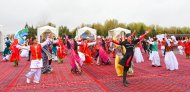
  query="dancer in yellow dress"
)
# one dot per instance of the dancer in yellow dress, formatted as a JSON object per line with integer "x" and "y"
{"x": 119, "y": 55}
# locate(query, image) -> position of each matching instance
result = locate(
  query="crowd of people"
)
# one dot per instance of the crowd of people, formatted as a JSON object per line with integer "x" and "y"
{"x": 86, "y": 51}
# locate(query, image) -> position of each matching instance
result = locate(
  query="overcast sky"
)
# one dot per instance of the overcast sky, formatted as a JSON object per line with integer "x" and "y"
{"x": 14, "y": 14}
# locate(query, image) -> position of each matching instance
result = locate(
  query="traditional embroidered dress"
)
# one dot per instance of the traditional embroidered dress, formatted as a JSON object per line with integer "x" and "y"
{"x": 102, "y": 54}
{"x": 15, "y": 53}
{"x": 137, "y": 54}
{"x": 170, "y": 59}
{"x": 180, "y": 47}
{"x": 154, "y": 57}
{"x": 74, "y": 58}
{"x": 118, "y": 57}
{"x": 163, "y": 46}
{"x": 7, "y": 52}
{"x": 60, "y": 50}
{"x": 36, "y": 62}
{"x": 187, "y": 49}
{"x": 84, "y": 48}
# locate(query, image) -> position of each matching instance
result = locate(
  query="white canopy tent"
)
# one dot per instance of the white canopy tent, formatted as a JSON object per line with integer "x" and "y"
{"x": 2, "y": 41}
{"x": 46, "y": 29}
{"x": 80, "y": 31}
{"x": 118, "y": 31}
{"x": 160, "y": 36}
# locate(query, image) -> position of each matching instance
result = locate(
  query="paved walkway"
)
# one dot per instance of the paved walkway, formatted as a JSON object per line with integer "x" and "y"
{"x": 97, "y": 78}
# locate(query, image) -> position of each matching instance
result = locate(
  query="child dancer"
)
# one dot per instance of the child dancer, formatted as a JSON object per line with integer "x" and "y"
{"x": 36, "y": 62}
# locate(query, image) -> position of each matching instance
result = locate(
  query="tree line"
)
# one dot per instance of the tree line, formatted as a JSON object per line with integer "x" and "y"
{"x": 102, "y": 29}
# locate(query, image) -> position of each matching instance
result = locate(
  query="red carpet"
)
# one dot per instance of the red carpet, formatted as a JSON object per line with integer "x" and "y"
{"x": 97, "y": 78}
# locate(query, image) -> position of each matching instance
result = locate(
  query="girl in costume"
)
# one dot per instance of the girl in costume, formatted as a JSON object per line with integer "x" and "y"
{"x": 163, "y": 46}
{"x": 137, "y": 54}
{"x": 15, "y": 52}
{"x": 170, "y": 58}
{"x": 180, "y": 47}
{"x": 119, "y": 55}
{"x": 75, "y": 60}
{"x": 102, "y": 55}
{"x": 154, "y": 57}
{"x": 36, "y": 62}
{"x": 84, "y": 48}
{"x": 187, "y": 48}
{"x": 7, "y": 52}
{"x": 60, "y": 50}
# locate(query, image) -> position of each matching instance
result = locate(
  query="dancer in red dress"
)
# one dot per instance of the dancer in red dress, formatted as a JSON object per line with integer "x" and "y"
{"x": 60, "y": 50}
{"x": 15, "y": 53}
{"x": 84, "y": 48}
{"x": 187, "y": 48}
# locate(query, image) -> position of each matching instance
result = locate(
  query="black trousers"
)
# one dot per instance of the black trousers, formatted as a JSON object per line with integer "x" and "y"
{"x": 125, "y": 73}
{"x": 97, "y": 54}
{"x": 145, "y": 48}
{"x": 29, "y": 54}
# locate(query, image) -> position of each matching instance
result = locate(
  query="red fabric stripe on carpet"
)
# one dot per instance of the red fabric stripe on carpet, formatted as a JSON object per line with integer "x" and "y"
{"x": 16, "y": 78}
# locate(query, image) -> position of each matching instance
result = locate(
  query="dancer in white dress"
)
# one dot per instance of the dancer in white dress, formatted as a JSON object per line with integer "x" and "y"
{"x": 154, "y": 57}
{"x": 180, "y": 47}
{"x": 138, "y": 55}
{"x": 24, "y": 53}
{"x": 170, "y": 58}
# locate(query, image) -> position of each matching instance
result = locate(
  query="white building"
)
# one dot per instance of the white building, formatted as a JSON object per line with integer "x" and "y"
{"x": 2, "y": 36}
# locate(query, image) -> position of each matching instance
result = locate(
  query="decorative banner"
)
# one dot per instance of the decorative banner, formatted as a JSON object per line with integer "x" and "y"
{"x": 21, "y": 35}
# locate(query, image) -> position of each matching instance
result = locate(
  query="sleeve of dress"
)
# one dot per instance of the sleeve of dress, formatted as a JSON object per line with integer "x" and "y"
{"x": 167, "y": 41}
{"x": 79, "y": 43}
{"x": 142, "y": 36}
{"x": 45, "y": 42}
{"x": 116, "y": 42}
{"x": 151, "y": 42}
{"x": 91, "y": 43}
{"x": 55, "y": 41}
{"x": 23, "y": 47}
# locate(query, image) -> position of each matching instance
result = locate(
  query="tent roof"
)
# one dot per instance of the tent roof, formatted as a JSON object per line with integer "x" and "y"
{"x": 118, "y": 30}
{"x": 47, "y": 27}
{"x": 44, "y": 29}
{"x": 83, "y": 30}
